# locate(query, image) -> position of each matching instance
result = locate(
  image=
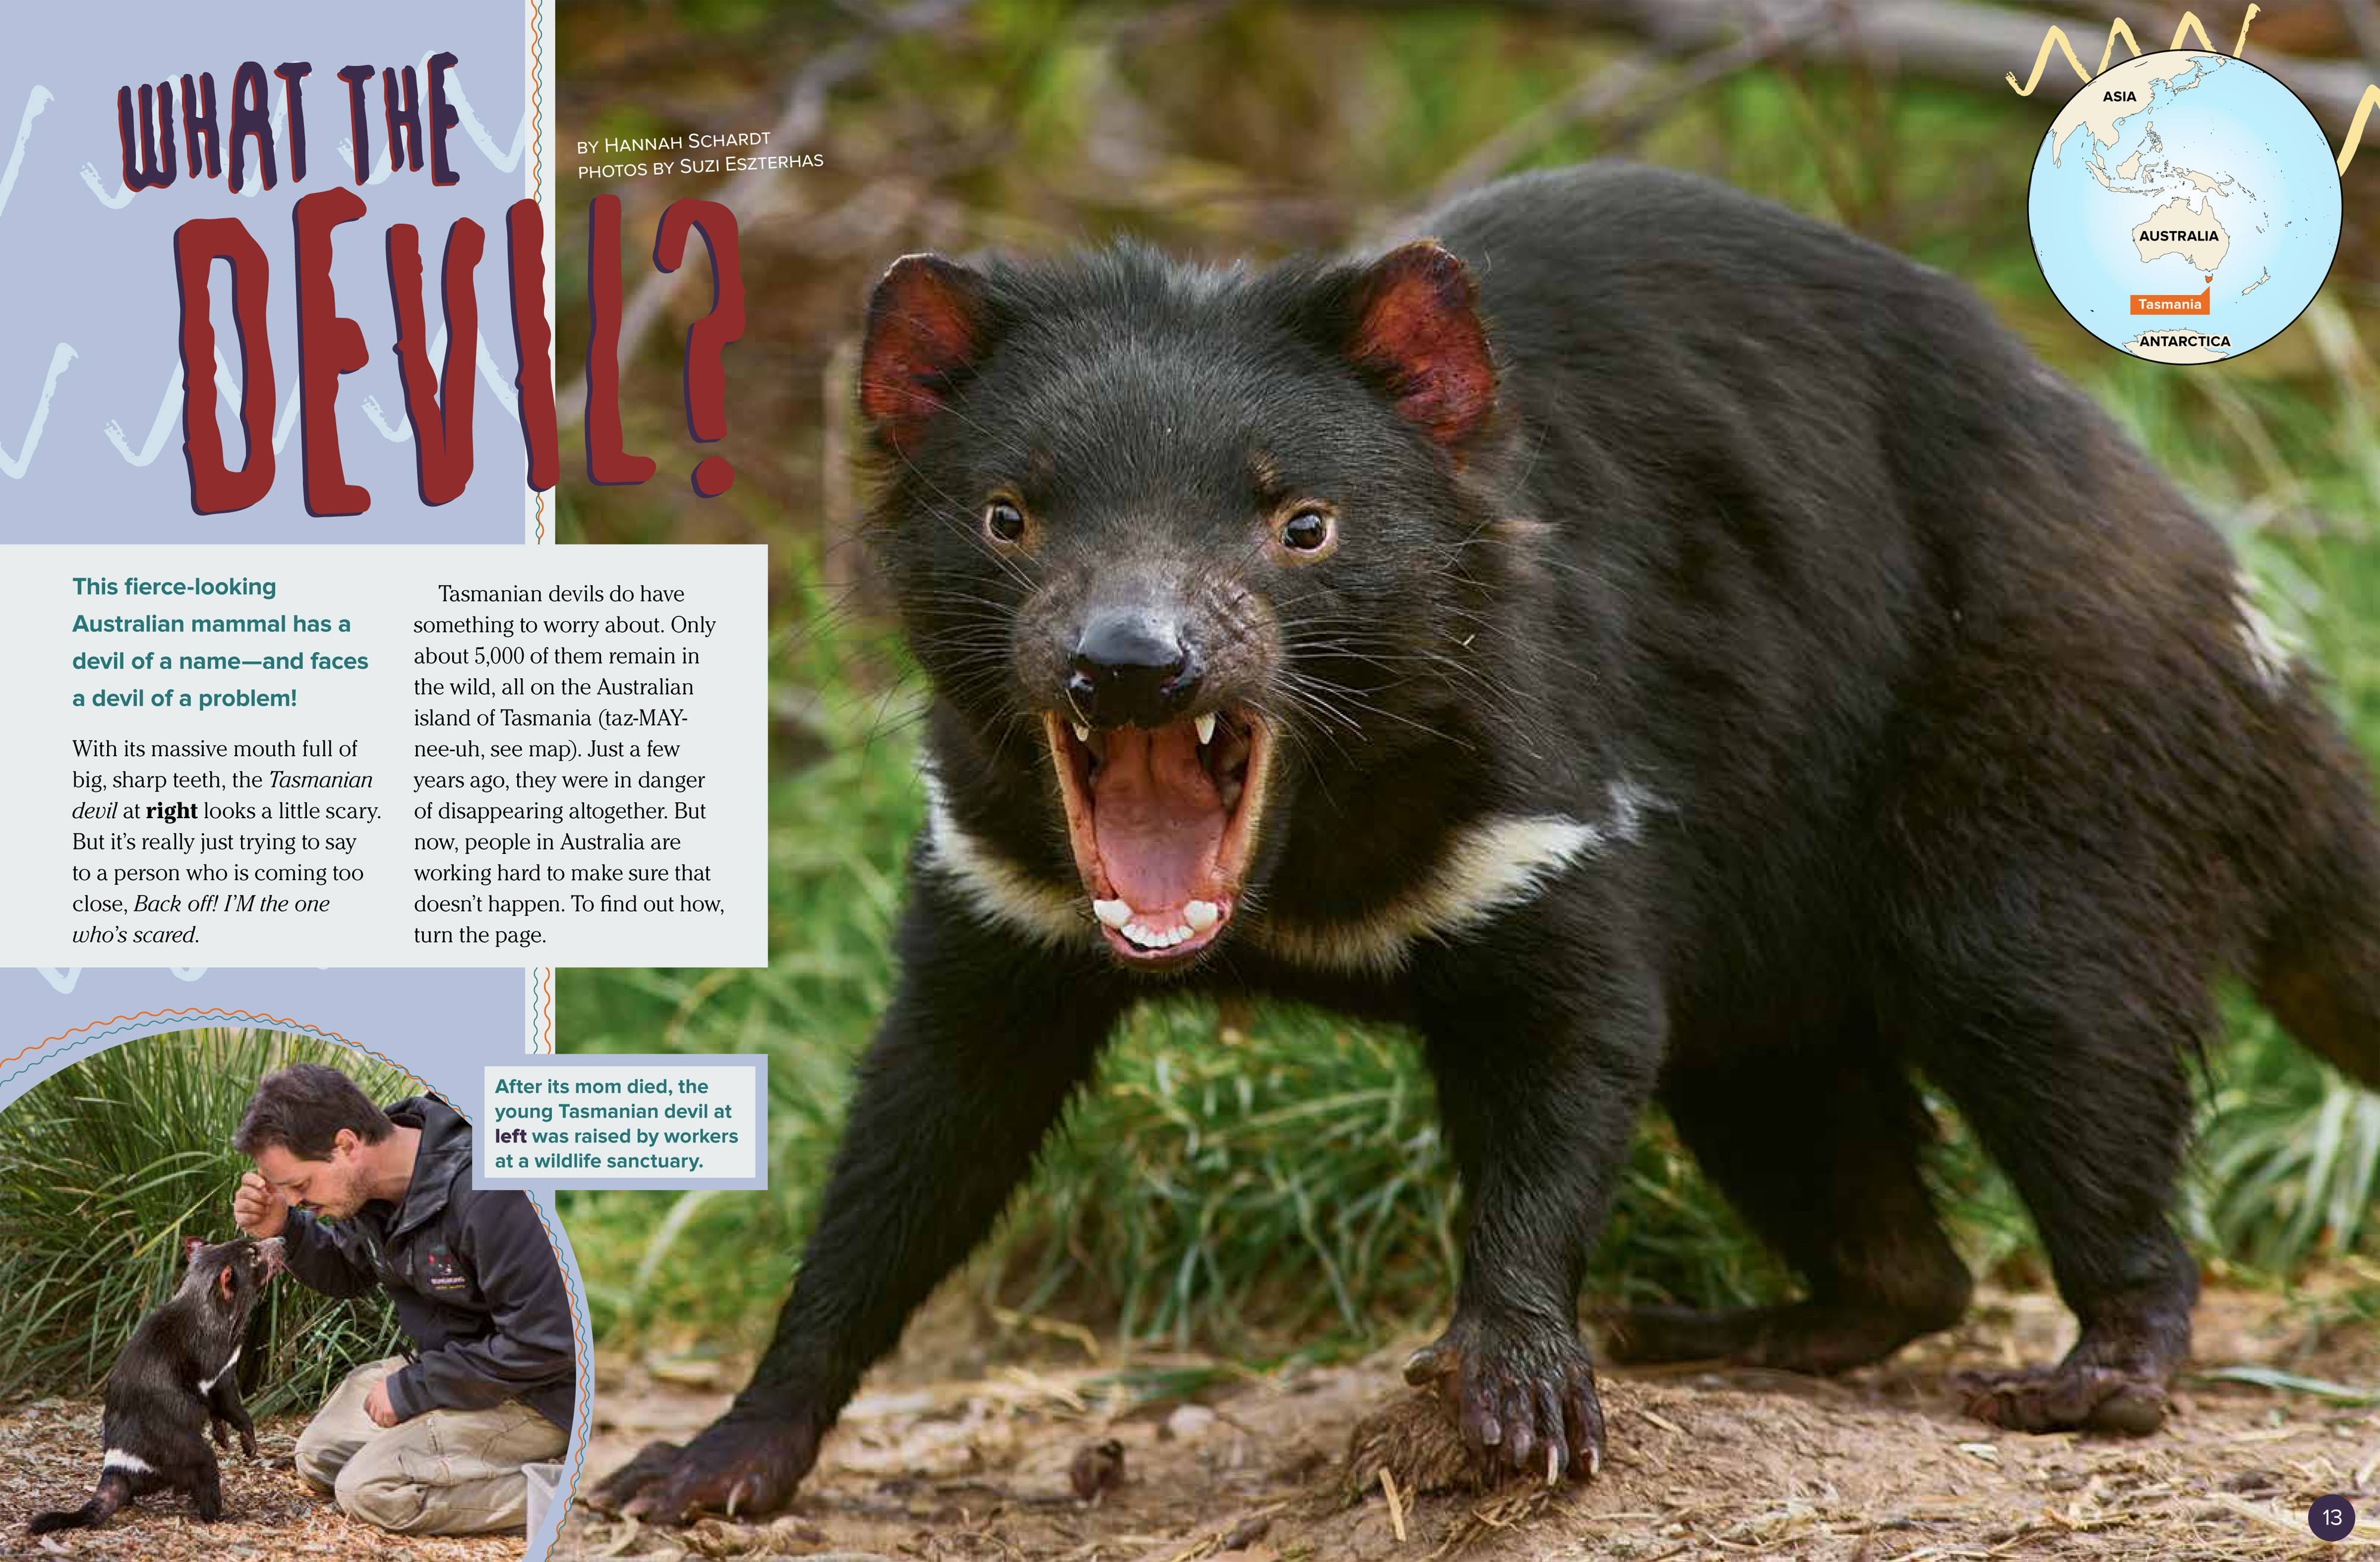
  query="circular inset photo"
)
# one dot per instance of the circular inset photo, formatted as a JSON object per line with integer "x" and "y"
{"x": 252, "y": 1284}
{"x": 2185, "y": 207}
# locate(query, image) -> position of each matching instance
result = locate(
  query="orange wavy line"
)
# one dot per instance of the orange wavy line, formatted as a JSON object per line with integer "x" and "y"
{"x": 148, "y": 1013}
{"x": 294, "y": 1025}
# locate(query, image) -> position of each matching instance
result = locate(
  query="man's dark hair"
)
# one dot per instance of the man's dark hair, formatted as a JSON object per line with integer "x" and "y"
{"x": 303, "y": 1107}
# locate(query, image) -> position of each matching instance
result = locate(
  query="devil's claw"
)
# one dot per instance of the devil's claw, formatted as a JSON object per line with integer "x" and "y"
{"x": 1522, "y": 1393}
{"x": 736, "y": 1468}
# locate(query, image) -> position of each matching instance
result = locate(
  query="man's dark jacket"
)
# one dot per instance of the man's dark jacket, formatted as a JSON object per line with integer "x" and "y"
{"x": 478, "y": 1286}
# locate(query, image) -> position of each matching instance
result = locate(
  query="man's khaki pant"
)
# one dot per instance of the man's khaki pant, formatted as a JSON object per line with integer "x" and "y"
{"x": 444, "y": 1472}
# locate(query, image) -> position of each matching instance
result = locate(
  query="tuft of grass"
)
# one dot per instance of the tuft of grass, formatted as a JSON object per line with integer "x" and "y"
{"x": 2289, "y": 1157}
{"x": 106, "y": 1165}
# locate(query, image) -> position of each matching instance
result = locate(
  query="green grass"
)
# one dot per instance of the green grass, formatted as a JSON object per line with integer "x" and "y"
{"x": 107, "y": 1165}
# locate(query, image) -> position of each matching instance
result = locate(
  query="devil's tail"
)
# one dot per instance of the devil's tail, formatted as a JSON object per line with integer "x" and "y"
{"x": 115, "y": 1491}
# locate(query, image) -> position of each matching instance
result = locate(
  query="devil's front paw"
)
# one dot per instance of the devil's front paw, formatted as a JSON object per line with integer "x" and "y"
{"x": 1522, "y": 1392}
{"x": 735, "y": 1467}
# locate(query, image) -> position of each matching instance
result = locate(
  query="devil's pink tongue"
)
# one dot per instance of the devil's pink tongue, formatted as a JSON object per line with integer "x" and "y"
{"x": 1157, "y": 817}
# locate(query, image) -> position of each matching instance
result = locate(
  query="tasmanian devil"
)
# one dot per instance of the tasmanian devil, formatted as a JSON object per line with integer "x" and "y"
{"x": 1650, "y": 645}
{"x": 176, "y": 1380}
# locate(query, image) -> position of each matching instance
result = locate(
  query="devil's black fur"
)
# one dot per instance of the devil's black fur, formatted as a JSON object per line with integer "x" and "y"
{"x": 1913, "y": 722}
{"x": 175, "y": 1381}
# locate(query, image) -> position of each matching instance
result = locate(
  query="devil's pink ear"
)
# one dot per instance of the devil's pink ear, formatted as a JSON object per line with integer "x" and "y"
{"x": 926, "y": 328}
{"x": 1416, "y": 326}
{"x": 190, "y": 1246}
{"x": 224, "y": 1282}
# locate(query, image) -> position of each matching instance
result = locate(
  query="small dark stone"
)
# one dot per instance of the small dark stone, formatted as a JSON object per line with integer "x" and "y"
{"x": 1098, "y": 1467}
{"x": 1247, "y": 1533}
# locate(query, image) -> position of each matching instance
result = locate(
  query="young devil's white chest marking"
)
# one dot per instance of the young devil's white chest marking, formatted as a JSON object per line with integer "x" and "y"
{"x": 1484, "y": 868}
{"x": 207, "y": 1386}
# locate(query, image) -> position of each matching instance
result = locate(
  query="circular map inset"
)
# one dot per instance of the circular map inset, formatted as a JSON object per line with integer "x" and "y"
{"x": 2185, "y": 207}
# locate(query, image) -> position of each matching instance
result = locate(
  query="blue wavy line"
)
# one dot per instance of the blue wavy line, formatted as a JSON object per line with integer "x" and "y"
{"x": 177, "y": 1022}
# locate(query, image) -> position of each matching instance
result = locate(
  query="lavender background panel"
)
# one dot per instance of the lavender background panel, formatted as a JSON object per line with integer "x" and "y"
{"x": 100, "y": 280}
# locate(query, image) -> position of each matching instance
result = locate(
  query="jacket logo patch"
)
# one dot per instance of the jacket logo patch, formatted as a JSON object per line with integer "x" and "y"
{"x": 442, "y": 1272}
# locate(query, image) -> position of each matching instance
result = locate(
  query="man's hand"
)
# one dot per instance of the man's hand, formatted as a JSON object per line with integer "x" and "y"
{"x": 257, "y": 1210}
{"x": 377, "y": 1405}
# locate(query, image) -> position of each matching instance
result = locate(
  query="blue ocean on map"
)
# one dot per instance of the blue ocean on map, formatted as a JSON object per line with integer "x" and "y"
{"x": 2228, "y": 123}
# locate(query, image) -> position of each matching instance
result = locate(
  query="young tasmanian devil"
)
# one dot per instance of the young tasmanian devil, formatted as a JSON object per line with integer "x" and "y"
{"x": 176, "y": 1380}
{"x": 1651, "y": 646}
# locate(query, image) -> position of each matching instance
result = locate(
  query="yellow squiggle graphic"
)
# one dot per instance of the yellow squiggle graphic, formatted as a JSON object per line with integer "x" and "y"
{"x": 2187, "y": 24}
{"x": 2355, "y": 127}
{"x": 2117, "y": 29}
{"x": 2056, "y": 38}
{"x": 2041, "y": 61}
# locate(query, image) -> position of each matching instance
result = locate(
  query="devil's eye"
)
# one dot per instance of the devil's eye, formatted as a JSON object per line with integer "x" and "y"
{"x": 1306, "y": 531}
{"x": 1003, "y": 521}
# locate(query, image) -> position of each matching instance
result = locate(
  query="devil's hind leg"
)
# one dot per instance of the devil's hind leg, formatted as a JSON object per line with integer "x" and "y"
{"x": 2059, "y": 1028}
{"x": 1819, "y": 1154}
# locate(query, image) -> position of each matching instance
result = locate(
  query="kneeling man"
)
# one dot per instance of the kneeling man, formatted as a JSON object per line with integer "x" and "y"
{"x": 431, "y": 1443}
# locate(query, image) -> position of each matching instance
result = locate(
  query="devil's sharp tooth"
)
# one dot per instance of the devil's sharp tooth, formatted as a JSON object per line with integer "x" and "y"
{"x": 1206, "y": 724}
{"x": 1082, "y": 733}
{"x": 1202, "y": 915}
{"x": 1115, "y": 913}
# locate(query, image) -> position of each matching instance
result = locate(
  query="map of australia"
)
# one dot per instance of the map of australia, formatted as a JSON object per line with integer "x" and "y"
{"x": 2174, "y": 229}
{"x": 2184, "y": 206}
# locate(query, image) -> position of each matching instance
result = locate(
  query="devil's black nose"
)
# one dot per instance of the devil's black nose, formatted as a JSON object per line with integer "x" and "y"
{"x": 1131, "y": 668}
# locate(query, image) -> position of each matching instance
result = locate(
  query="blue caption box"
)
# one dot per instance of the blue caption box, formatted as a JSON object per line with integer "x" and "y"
{"x": 655, "y": 1120}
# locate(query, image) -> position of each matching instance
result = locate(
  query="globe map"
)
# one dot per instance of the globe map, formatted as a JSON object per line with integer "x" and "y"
{"x": 2185, "y": 206}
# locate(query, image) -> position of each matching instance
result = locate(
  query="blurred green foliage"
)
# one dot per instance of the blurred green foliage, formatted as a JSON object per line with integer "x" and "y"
{"x": 106, "y": 1165}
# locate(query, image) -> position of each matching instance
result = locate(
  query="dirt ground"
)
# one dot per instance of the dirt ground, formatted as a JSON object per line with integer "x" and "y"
{"x": 964, "y": 1448}
{"x": 933, "y": 1463}
{"x": 49, "y": 1457}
